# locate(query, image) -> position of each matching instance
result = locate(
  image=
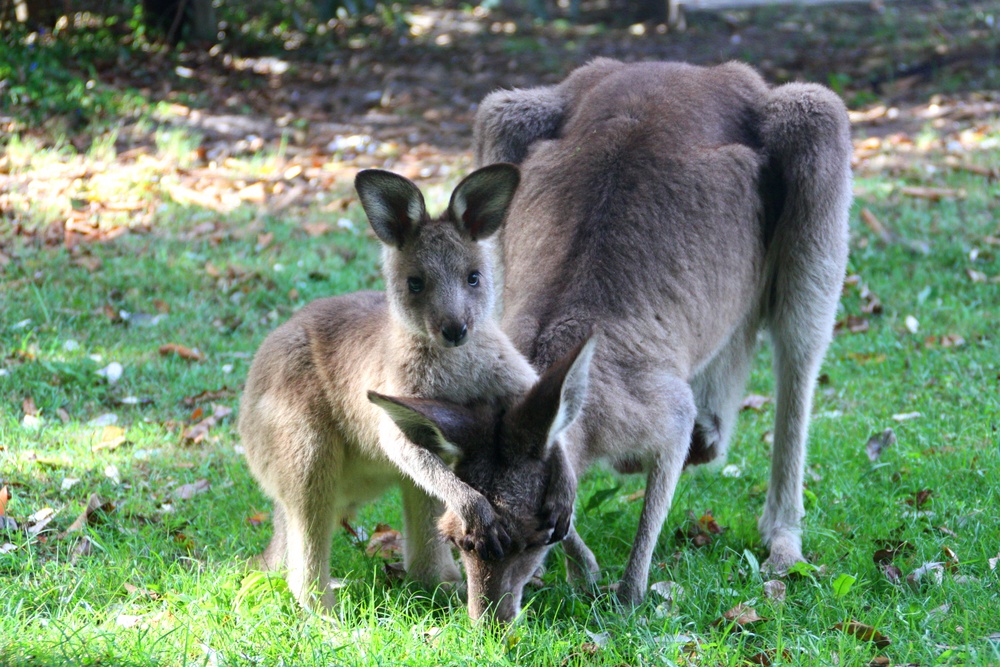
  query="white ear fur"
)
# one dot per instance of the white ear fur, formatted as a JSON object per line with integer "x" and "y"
{"x": 573, "y": 394}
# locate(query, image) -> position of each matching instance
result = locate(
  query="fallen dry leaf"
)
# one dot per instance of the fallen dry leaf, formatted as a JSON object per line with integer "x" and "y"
{"x": 107, "y": 419}
{"x": 754, "y": 402}
{"x": 264, "y": 240}
{"x": 699, "y": 531}
{"x": 906, "y": 416}
{"x": 112, "y": 372}
{"x": 879, "y": 443}
{"x": 866, "y": 358}
{"x": 94, "y": 505}
{"x": 637, "y": 495}
{"x": 127, "y": 620}
{"x": 928, "y": 572}
{"x": 939, "y": 611}
{"x": 775, "y": 590}
{"x": 852, "y": 324}
{"x": 29, "y": 407}
{"x": 876, "y": 225}
{"x": 933, "y": 194}
{"x": 766, "y": 658}
{"x": 948, "y": 531}
{"x": 88, "y": 262}
{"x": 188, "y": 491}
{"x": 258, "y": 518}
{"x": 891, "y": 572}
{"x": 394, "y": 570}
{"x": 84, "y": 547}
{"x": 315, "y": 229}
{"x": 385, "y": 542}
{"x": 920, "y": 498}
{"x": 740, "y": 615}
{"x": 209, "y": 395}
{"x": 863, "y": 632}
{"x": 135, "y": 590}
{"x": 199, "y": 431}
{"x": 887, "y": 553}
{"x": 111, "y": 472}
{"x": 880, "y": 661}
{"x": 993, "y": 561}
{"x": 709, "y": 524}
{"x": 872, "y": 304}
{"x": 253, "y": 193}
{"x": 976, "y": 276}
{"x": 40, "y": 519}
{"x": 668, "y": 590}
{"x": 952, "y": 563}
{"x": 111, "y": 437}
{"x": 182, "y": 352}
{"x": 952, "y": 340}
{"x": 356, "y": 534}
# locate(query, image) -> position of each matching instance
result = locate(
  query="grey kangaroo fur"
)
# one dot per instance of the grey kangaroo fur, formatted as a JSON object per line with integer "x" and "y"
{"x": 315, "y": 442}
{"x": 677, "y": 210}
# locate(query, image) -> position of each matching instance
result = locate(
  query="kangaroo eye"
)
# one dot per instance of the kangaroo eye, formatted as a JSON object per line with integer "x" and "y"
{"x": 416, "y": 285}
{"x": 474, "y": 279}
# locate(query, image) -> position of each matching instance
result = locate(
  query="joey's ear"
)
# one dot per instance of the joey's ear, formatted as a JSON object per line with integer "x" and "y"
{"x": 393, "y": 204}
{"x": 441, "y": 427}
{"x": 479, "y": 203}
{"x": 557, "y": 399}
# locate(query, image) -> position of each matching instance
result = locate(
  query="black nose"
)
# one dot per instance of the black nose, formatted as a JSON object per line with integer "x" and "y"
{"x": 454, "y": 333}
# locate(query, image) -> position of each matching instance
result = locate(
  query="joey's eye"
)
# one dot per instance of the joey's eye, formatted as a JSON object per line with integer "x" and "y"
{"x": 474, "y": 279}
{"x": 416, "y": 285}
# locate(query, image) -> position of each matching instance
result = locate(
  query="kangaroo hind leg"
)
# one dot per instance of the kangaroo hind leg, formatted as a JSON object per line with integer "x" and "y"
{"x": 669, "y": 403}
{"x": 806, "y": 132}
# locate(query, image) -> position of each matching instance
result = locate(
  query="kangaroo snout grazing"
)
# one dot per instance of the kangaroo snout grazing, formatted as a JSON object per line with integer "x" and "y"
{"x": 316, "y": 444}
{"x": 679, "y": 210}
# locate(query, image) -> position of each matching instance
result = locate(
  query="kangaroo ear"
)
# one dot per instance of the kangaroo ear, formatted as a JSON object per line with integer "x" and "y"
{"x": 440, "y": 427}
{"x": 557, "y": 399}
{"x": 479, "y": 203}
{"x": 393, "y": 204}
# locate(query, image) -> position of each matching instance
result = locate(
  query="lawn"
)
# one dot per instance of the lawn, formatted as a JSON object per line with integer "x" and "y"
{"x": 129, "y": 515}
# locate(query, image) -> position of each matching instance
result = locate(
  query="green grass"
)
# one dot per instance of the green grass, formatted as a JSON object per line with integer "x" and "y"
{"x": 195, "y": 601}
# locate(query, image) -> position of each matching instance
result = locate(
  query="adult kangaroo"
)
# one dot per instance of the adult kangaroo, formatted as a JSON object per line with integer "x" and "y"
{"x": 676, "y": 210}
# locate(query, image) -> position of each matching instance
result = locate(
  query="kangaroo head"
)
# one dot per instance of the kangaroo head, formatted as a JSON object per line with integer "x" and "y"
{"x": 439, "y": 277}
{"x": 508, "y": 454}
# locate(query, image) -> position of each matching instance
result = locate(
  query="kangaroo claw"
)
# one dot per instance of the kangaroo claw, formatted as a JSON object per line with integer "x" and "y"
{"x": 557, "y": 518}
{"x": 485, "y": 534}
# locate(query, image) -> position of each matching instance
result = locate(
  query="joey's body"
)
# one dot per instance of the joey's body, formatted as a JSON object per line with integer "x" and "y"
{"x": 677, "y": 210}
{"x": 315, "y": 442}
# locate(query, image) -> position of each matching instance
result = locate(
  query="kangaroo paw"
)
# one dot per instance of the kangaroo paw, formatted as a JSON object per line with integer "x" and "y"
{"x": 485, "y": 533}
